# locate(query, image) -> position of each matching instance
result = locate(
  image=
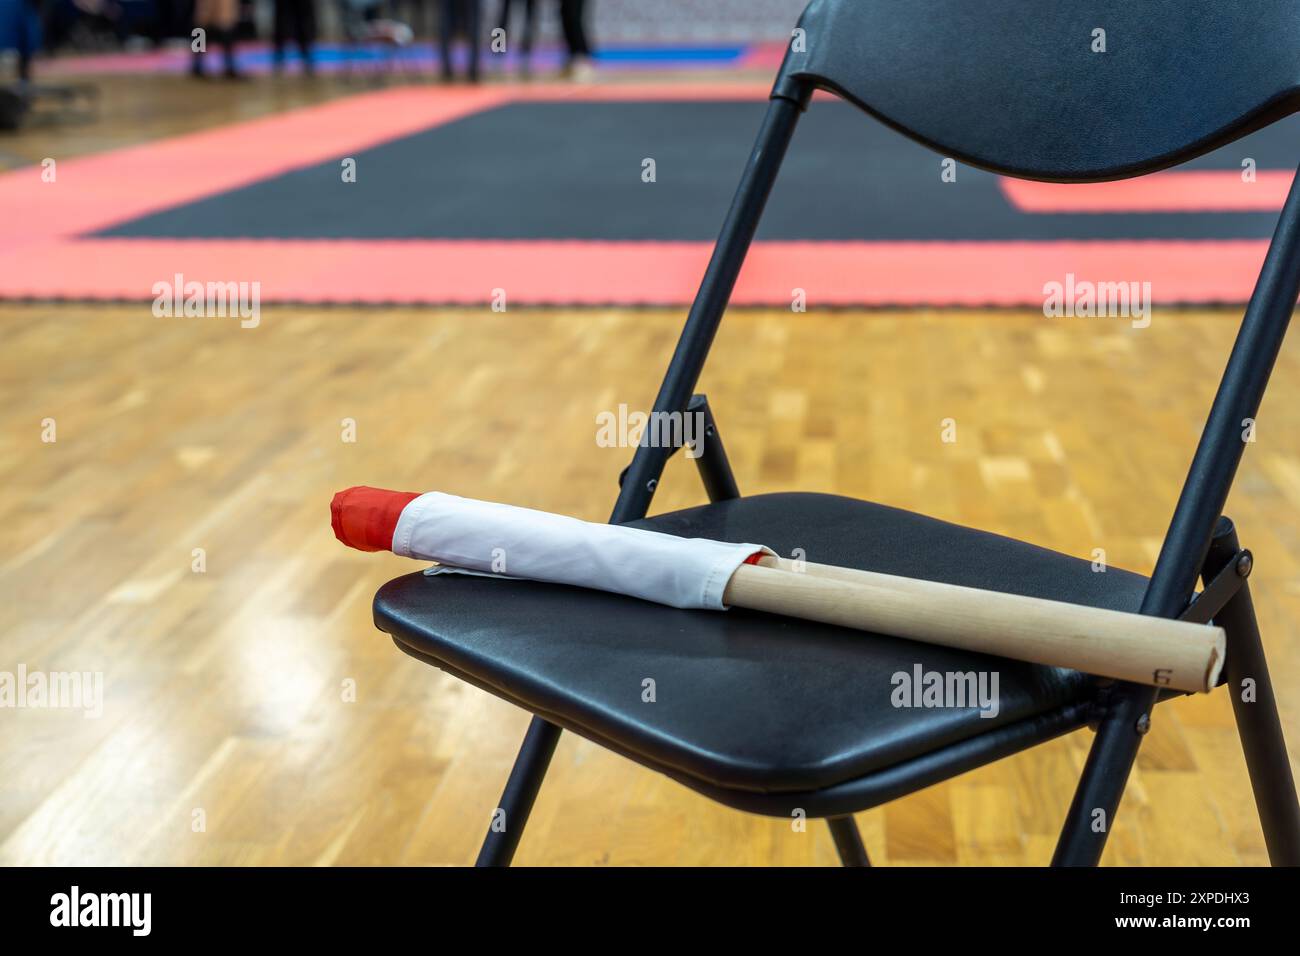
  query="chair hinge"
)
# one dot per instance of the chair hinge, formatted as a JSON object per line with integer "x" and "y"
{"x": 1221, "y": 589}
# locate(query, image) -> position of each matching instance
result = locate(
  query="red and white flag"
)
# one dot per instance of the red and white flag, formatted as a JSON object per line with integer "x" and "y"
{"x": 507, "y": 541}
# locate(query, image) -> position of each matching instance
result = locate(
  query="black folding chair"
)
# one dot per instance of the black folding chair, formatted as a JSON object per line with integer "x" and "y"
{"x": 778, "y": 717}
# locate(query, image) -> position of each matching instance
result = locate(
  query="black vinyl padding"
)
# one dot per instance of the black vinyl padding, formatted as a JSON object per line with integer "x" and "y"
{"x": 745, "y": 700}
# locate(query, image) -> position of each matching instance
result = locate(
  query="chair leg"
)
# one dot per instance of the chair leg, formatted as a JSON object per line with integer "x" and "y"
{"x": 848, "y": 841}
{"x": 1255, "y": 707}
{"x": 1105, "y": 775}
{"x": 521, "y": 791}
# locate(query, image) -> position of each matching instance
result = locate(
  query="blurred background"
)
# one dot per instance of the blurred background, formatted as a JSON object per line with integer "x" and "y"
{"x": 144, "y": 35}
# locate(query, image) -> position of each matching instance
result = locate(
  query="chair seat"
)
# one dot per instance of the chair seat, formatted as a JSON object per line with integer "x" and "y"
{"x": 744, "y": 700}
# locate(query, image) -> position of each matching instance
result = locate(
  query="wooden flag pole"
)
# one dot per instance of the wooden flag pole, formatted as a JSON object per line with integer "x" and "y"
{"x": 1117, "y": 644}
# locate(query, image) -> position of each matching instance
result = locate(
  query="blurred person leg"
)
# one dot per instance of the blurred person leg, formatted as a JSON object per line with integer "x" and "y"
{"x": 526, "y": 38}
{"x": 503, "y": 17}
{"x": 473, "y": 20}
{"x": 573, "y": 14}
{"x": 217, "y": 18}
{"x": 199, "y": 45}
{"x": 530, "y": 34}
{"x": 466, "y": 16}
{"x": 305, "y": 35}
{"x": 27, "y": 14}
{"x": 279, "y": 35}
{"x": 446, "y": 24}
{"x": 526, "y": 35}
{"x": 165, "y": 23}
{"x": 296, "y": 20}
{"x": 227, "y": 20}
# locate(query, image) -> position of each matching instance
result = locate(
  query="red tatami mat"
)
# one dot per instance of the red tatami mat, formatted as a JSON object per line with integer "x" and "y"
{"x": 45, "y": 257}
{"x": 633, "y": 273}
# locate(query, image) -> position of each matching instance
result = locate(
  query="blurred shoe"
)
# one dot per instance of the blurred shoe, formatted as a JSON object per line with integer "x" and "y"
{"x": 580, "y": 70}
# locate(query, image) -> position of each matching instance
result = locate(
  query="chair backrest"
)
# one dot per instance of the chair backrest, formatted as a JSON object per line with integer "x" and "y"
{"x": 1062, "y": 90}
